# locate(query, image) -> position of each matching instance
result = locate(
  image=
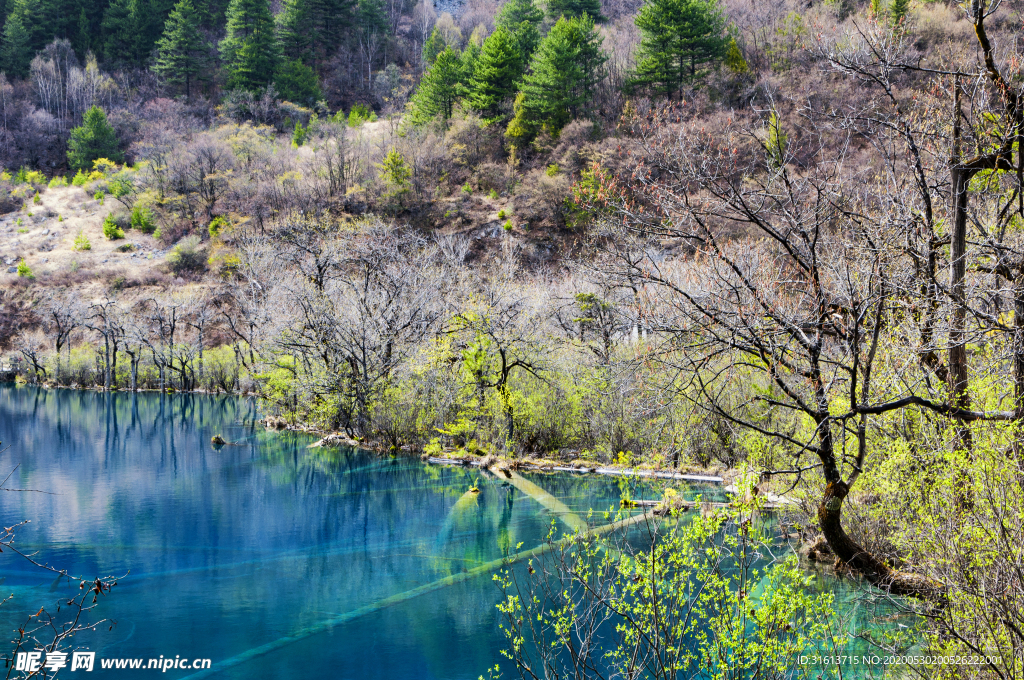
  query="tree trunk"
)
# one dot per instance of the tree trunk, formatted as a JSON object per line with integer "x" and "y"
{"x": 201, "y": 365}
{"x": 860, "y": 560}
{"x": 106, "y": 366}
{"x": 957, "y": 323}
{"x": 1018, "y": 344}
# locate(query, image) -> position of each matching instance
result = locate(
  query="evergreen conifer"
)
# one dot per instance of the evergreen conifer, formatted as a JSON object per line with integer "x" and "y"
{"x": 498, "y": 71}
{"x": 440, "y": 89}
{"x": 126, "y": 25}
{"x": 293, "y": 30}
{"x": 182, "y": 52}
{"x": 679, "y": 39}
{"x": 249, "y": 50}
{"x": 94, "y": 138}
{"x": 575, "y": 8}
{"x": 521, "y": 18}
{"x": 433, "y": 46}
{"x": 898, "y": 11}
{"x": 564, "y": 72}
{"x": 16, "y": 50}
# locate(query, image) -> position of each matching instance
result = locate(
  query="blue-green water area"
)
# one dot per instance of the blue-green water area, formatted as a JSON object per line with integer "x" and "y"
{"x": 271, "y": 559}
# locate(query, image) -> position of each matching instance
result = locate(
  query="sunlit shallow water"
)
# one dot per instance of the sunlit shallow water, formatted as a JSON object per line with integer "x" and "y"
{"x": 263, "y": 545}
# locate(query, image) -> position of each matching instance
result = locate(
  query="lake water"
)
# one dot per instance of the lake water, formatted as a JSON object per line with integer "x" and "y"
{"x": 266, "y": 557}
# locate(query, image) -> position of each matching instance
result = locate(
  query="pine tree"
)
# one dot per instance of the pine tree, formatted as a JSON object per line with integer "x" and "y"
{"x": 16, "y": 51}
{"x": 521, "y": 18}
{"x": 564, "y": 72}
{"x": 470, "y": 57}
{"x": 328, "y": 20}
{"x": 293, "y": 30}
{"x": 311, "y": 29}
{"x": 127, "y": 29}
{"x": 29, "y": 27}
{"x": 776, "y": 142}
{"x": 182, "y": 53}
{"x": 898, "y": 11}
{"x": 433, "y": 46}
{"x": 83, "y": 35}
{"x": 575, "y": 8}
{"x": 498, "y": 71}
{"x": 439, "y": 90}
{"x": 298, "y": 83}
{"x": 213, "y": 13}
{"x": 42, "y": 19}
{"x": 734, "y": 60}
{"x": 678, "y": 40}
{"x": 95, "y": 138}
{"x": 131, "y": 29}
{"x": 249, "y": 50}
{"x": 395, "y": 174}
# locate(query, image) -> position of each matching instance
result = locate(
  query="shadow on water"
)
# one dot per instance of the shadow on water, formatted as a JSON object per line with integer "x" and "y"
{"x": 237, "y": 548}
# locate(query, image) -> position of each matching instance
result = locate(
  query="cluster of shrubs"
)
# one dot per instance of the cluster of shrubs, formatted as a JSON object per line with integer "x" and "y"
{"x": 118, "y": 222}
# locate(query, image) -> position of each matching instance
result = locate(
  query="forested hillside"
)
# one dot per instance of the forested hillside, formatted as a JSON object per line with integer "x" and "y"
{"x": 781, "y": 237}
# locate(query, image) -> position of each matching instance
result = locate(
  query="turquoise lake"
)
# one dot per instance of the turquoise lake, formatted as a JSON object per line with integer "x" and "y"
{"x": 264, "y": 556}
{"x": 233, "y": 549}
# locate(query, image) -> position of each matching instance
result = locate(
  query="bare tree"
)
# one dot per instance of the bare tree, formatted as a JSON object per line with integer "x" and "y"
{"x": 62, "y": 313}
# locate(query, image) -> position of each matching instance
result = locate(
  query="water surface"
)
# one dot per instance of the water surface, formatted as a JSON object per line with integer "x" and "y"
{"x": 233, "y": 549}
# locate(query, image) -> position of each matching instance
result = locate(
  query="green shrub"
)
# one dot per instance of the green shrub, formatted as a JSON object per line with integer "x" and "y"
{"x": 142, "y": 219}
{"x": 466, "y": 189}
{"x": 298, "y": 83}
{"x": 551, "y": 170}
{"x": 111, "y": 230}
{"x": 104, "y": 165}
{"x": 24, "y": 271}
{"x": 26, "y": 176}
{"x": 99, "y": 196}
{"x": 81, "y": 241}
{"x": 217, "y": 225}
{"x": 58, "y": 181}
{"x": 299, "y": 136}
{"x": 60, "y": 218}
{"x": 80, "y": 179}
{"x": 507, "y": 226}
{"x": 502, "y": 214}
{"x": 188, "y": 257}
{"x": 493, "y": 193}
{"x": 395, "y": 174}
{"x": 360, "y": 114}
{"x": 121, "y": 219}
{"x": 125, "y": 248}
{"x": 120, "y": 186}
{"x": 36, "y": 199}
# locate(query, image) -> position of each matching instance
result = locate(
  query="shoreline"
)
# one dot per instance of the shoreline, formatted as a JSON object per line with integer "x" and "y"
{"x": 337, "y": 439}
{"x": 530, "y": 463}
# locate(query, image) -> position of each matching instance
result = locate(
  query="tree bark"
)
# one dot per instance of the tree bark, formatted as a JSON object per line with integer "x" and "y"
{"x": 850, "y": 553}
{"x": 959, "y": 398}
